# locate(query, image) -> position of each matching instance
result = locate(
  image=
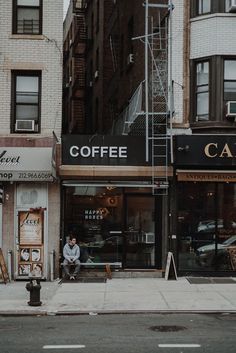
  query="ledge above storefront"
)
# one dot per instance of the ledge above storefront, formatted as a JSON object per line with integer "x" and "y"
{"x": 70, "y": 171}
{"x": 105, "y": 156}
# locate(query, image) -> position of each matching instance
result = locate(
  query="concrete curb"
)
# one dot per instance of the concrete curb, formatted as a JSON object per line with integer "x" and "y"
{"x": 112, "y": 312}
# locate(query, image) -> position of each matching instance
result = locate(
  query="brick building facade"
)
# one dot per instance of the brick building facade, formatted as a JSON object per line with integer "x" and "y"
{"x": 31, "y": 63}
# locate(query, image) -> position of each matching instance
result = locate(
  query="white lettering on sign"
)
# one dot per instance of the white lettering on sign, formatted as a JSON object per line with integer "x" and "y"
{"x": 99, "y": 151}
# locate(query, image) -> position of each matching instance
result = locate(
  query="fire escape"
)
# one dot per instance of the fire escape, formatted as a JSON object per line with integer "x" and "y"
{"x": 158, "y": 93}
{"x": 150, "y": 110}
{"x": 74, "y": 62}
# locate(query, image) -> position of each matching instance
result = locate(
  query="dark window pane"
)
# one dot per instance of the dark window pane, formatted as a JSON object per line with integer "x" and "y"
{"x": 27, "y": 97}
{"x": 202, "y": 73}
{"x": 28, "y": 21}
{"x": 230, "y": 86}
{"x": 28, "y": 3}
{"x": 204, "y": 6}
{"x": 25, "y": 112}
{"x": 230, "y": 70}
{"x": 202, "y": 103}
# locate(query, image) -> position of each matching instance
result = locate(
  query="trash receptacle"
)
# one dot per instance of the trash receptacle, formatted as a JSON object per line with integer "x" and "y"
{"x": 34, "y": 288}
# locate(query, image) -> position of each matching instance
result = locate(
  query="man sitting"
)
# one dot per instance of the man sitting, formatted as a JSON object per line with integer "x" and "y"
{"x": 71, "y": 253}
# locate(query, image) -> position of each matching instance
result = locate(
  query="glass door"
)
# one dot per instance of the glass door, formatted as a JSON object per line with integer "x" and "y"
{"x": 139, "y": 234}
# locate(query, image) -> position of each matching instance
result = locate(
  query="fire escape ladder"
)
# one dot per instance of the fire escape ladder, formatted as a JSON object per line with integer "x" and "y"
{"x": 158, "y": 49}
{"x": 158, "y": 103}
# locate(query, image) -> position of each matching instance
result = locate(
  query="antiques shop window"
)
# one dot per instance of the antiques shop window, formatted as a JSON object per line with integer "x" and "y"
{"x": 27, "y": 17}
{"x": 26, "y": 101}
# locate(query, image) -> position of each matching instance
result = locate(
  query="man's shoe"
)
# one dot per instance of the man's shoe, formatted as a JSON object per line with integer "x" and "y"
{"x": 72, "y": 278}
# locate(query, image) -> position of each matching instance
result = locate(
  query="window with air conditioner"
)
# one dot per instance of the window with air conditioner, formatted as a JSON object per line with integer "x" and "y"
{"x": 26, "y": 101}
{"x": 27, "y": 17}
{"x": 213, "y": 90}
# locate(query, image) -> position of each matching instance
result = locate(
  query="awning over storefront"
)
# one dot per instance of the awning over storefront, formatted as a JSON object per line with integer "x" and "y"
{"x": 26, "y": 164}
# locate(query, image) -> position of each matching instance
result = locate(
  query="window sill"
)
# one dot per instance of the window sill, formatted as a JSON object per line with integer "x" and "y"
{"x": 212, "y": 15}
{"x": 27, "y": 36}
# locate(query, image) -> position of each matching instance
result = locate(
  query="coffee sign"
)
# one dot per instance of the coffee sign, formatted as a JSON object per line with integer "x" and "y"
{"x": 103, "y": 150}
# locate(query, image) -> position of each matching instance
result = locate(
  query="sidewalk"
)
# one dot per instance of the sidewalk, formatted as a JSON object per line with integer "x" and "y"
{"x": 120, "y": 295}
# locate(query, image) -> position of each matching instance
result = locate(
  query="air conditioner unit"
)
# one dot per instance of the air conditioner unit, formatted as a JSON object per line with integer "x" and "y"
{"x": 25, "y": 125}
{"x": 130, "y": 59}
{"x": 232, "y": 6}
{"x": 71, "y": 42}
{"x": 96, "y": 74}
{"x": 231, "y": 109}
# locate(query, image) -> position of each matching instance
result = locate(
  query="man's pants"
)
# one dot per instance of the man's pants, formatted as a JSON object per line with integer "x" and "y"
{"x": 66, "y": 265}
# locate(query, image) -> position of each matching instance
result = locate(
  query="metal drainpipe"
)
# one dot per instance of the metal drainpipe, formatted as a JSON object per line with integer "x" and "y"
{"x": 52, "y": 265}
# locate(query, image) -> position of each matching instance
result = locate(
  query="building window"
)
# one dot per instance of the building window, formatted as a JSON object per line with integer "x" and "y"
{"x": 213, "y": 86}
{"x": 27, "y": 16}
{"x": 202, "y": 91}
{"x": 230, "y": 80}
{"x": 26, "y": 101}
{"x": 204, "y": 6}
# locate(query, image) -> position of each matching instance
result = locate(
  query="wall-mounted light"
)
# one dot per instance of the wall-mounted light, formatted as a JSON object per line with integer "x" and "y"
{"x": 184, "y": 149}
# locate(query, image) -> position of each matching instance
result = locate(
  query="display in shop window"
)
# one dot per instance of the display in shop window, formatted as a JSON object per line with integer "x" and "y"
{"x": 24, "y": 270}
{"x": 35, "y": 255}
{"x": 37, "y": 270}
{"x": 25, "y": 254}
{"x": 30, "y": 227}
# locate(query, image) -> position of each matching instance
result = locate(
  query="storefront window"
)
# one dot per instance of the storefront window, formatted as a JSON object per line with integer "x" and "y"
{"x": 111, "y": 224}
{"x": 207, "y": 226}
{"x": 94, "y": 216}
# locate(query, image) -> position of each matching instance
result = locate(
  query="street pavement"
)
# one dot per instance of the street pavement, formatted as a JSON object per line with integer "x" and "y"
{"x": 120, "y": 295}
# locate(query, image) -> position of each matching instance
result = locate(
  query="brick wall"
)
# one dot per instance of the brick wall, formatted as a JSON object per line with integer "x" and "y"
{"x": 43, "y": 53}
{"x": 218, "y": 31}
